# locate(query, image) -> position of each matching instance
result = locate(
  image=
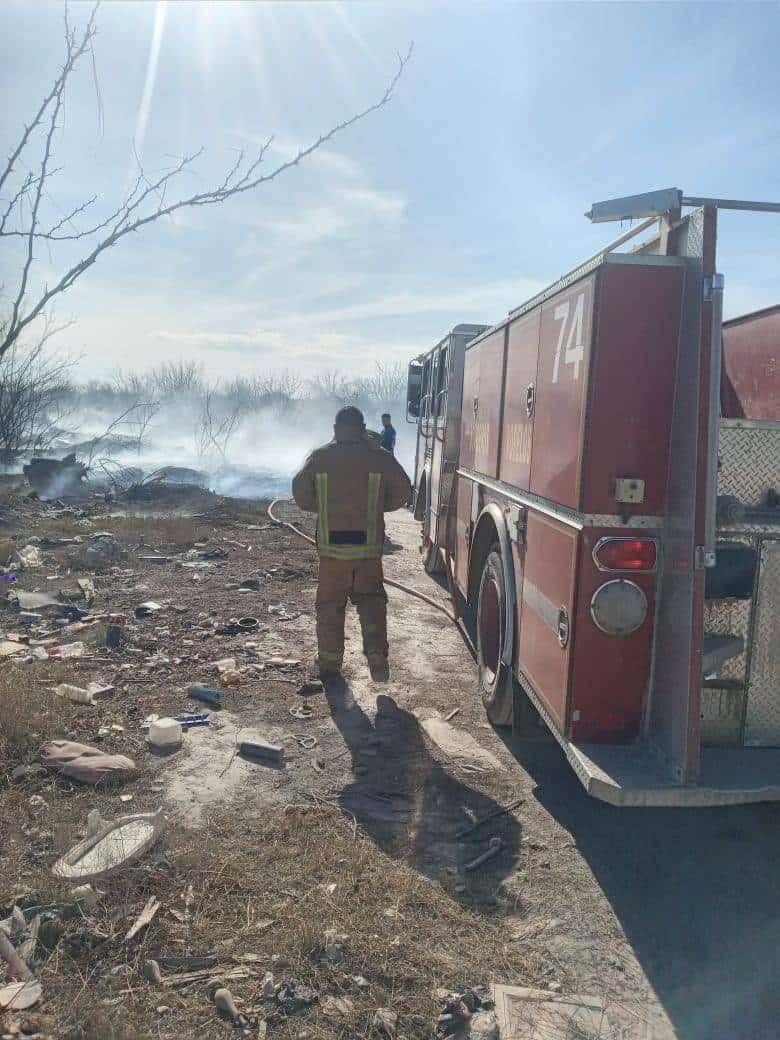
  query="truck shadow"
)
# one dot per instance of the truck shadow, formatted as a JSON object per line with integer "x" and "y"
{"x": 410, "y": 806}
{"x": 697, "y": 892}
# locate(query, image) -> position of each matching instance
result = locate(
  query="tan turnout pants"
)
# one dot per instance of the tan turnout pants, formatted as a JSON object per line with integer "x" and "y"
{"x": 361, "y": 582}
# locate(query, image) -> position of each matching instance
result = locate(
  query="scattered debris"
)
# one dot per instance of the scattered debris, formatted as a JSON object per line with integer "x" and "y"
{"x": 53, "y": 478}
{"x": 311, "y": 687}
{"x": 110, "y": 845}
{"x": 451, "y": 715}
{"x": 337, "y": 1007}
{"x": 207, "y": 694}
{"x": 86, "y": 764}
{"x": 86, "y": 896}
{"x": 145, "y": 609}
{"x": 490, "y": 816}
{"x": 67, "y": 650}
{"x": 334, "y": 943}
{"x": 87, "y": 587}
{"x": 74, "y": 693}
{"x": 223, "y": 1001}
{"x": 495, "y": 846}
{"x": 18, "y": 996}
{"x": 385, "y": 1022}
{"x": 115, "y": 631}
{"x": 103, "y": 551}
{"x": 144, "y": 918}
{"x": 523, "y": 1012}
{"x": 165, "y": 733}
{"x": 292, "y": 996}
{"x": 302, "y": 711}
{"x": 484, "y": 1026}
{"x": 262, "y": 749}
{"x": 225, "y": 664}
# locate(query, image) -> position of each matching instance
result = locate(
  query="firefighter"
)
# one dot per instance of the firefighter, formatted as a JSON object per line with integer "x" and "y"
{"x": 350, "y": 483}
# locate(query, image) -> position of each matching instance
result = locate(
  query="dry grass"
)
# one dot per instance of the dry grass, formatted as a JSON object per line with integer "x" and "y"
{"x": 169, "y": 530}
{"x": 269, "y": 886}
{"x": 28, "y": 714}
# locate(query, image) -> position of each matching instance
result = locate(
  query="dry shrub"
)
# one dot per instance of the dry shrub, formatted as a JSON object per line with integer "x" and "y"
{"x": 26, "y": 713}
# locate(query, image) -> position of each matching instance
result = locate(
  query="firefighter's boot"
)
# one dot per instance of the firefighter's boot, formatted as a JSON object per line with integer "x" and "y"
{"x": 379, "y": 667}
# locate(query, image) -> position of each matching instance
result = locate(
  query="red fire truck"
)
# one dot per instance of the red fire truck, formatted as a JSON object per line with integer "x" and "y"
{"x": 600, "y": 474}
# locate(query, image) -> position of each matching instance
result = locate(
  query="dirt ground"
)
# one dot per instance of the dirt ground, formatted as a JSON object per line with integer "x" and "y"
{"x": 671, "y": 916}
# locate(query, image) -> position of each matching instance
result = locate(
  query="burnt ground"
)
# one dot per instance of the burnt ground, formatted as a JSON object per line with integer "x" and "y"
{"x": 669, "y": 915}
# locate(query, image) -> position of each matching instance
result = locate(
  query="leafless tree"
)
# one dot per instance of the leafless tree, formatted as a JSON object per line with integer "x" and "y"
{"x": 33, "y": 396}
{"x": 387, "y": 385}
{"x": 174, "y": 378}
{"x": 216, "y": 431}
{"x": 137, "y": 415}
{"x": 22, "y": 194}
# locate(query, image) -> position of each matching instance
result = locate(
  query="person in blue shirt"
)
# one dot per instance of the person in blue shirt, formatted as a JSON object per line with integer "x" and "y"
{"x": 387, "y": 437}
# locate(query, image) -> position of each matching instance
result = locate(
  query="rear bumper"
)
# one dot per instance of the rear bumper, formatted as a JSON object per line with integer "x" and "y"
{"x": 632, "y": 775}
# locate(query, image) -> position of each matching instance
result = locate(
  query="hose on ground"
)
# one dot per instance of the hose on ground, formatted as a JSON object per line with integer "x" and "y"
{"x": 388, "y": 581}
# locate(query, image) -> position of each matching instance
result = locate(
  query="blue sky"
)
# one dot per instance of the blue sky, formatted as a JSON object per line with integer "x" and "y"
{"x": 454, "y": 203}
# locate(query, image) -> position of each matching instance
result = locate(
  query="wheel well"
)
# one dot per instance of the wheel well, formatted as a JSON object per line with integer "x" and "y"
{"x": 485, "y": 537}
{"x": 420, "y": 500}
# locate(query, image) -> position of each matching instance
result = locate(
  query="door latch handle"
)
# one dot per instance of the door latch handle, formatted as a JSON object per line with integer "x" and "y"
{"x": 530, "y": 400}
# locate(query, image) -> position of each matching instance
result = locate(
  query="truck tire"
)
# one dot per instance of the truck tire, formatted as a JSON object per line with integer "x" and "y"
{"x": 496, "y": 682}
{"x": 431, "y": 557}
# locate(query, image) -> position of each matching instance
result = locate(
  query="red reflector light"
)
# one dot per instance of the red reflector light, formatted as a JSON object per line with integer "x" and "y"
{"x": 625, "y": 554}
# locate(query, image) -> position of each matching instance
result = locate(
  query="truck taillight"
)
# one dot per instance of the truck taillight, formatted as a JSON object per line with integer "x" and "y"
{"x": 626, "y": 554}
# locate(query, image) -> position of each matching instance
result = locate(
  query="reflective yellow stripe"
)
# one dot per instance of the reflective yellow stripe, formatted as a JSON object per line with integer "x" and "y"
{"x": 348, "y": 552}
{"x": 374, "y": 482}
{"x": 323, "y": 530}
{"x": 327, "y": 655}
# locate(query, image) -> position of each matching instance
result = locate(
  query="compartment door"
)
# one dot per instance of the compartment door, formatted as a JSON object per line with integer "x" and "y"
{"x": 519, "y": 399}
{"x": 547, "y": 613}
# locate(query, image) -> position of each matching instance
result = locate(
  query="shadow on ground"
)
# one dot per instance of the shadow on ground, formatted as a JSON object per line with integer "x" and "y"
{"x": 697, "y": 892}
{"x": 411, "y": 807}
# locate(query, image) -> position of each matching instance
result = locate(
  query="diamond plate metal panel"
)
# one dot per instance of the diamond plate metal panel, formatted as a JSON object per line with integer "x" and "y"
{"x": 730, "y": 617}
{"x": 749, "y": 461}
{"x": 762, "y": 720}
{"x": 721, "y": 717}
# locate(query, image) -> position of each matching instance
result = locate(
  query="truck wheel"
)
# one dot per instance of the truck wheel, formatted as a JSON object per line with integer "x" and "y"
{"x": 496, "y": 681}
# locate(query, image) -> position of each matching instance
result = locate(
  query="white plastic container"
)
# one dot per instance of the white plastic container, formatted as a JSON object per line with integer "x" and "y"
{"x": 74, "y": 693}
{"x": 164, "y": 733}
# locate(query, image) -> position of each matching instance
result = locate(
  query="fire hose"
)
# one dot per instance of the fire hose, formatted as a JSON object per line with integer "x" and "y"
{"x": 451, "y": 614}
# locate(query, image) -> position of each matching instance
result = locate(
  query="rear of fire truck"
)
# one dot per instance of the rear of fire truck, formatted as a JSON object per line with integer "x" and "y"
{"x": 616, "y": 540}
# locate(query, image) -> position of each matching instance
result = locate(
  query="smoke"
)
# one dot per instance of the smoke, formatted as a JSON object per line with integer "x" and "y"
{"x": 238, "y": 449}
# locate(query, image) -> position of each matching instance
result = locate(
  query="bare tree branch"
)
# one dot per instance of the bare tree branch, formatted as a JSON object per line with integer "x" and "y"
{"x": 134, "y": 212}
{"x": 74, "y": 51}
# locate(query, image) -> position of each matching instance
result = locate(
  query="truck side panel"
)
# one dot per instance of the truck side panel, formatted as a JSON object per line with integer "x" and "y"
{"x": 485, "y": 403}
{"x": 561, "y": 389}
{"x": 470, "y": 407}
{"x": 632, "y": 384}
{"x": 548, "y": 585}
{"x": 517, "y": 436}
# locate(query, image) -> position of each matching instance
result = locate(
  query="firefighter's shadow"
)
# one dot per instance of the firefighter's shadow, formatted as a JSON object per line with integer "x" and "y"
{"x": 411, "y": 807}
